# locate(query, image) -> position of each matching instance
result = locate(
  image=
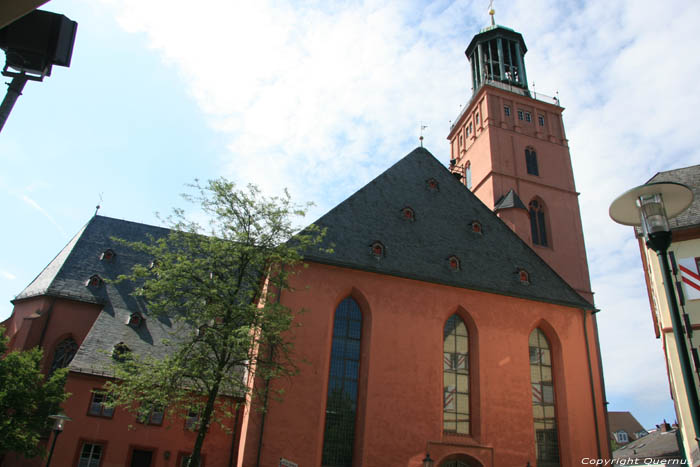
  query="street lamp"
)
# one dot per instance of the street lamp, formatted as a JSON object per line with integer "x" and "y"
{"x": 58, "y": 421}
{"x": 650, "y": 206}
{"x": 33, "y": 44}
{"x": 428, "y": 462}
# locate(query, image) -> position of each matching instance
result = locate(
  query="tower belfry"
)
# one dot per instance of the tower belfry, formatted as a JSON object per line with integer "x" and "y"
{"x": 509, "y": 146}
{"x": 496, "y": 56}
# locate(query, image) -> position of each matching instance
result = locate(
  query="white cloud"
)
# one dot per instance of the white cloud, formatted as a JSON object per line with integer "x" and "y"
{"x": 321, "y": 97}
{"x": 7, "y": 275}
{"x": 43, "y": 211}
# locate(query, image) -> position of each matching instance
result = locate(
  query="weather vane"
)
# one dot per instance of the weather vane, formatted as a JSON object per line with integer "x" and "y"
{"x": 422, "y": 127}
{"x": 492, "y": 12}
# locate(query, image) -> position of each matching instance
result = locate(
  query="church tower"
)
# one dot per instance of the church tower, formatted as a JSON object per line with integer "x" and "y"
{"x": 508, "y": 145}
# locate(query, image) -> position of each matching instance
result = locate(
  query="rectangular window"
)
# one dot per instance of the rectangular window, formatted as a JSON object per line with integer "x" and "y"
{"x": 506, "y": 110}
{"x": 461, "y": 140}
{"x": 152, "y": 417}
{"x": 192, "y": 421}
{"x": 471, "y": 128}
{"x": 531, "y": 162}
{"x": 477, "y": 119}
{"x": 520, "y": 114}
{"x": 528, "y": 117}
{"x": 90, "y": 455}
{"x": 540, "y": 119}
{"x": 98, "y": 407}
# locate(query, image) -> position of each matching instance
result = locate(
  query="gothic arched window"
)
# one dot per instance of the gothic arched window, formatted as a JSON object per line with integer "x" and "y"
{"x": 543, "y": 411}
{"x": 468, "y": 174}
{"x": 455, "y": 463}
{"x": 531, "y": 161}
{"x": 341, "y": 406}
{"x": 455, "y": 404}
{"x": 538, "y": 225}
{"x": 63, "y": 354}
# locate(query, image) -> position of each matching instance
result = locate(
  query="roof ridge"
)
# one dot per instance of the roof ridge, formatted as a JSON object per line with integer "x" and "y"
{"x": 130, "y": 222}
{"x": 671, "y": 171}
{"x": 66, "y": 252}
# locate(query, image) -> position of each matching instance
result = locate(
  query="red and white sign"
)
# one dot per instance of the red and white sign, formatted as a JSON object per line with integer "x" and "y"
{"x": 690, "y": 277}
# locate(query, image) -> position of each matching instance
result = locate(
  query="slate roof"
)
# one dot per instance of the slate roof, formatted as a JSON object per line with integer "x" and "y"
{"x": 689, "y": 176}
{"x": 420, "y": 248}
{"x": 509, "y": 200}
{"x": 624, "y": 421}
{"x": 66, "y": 277}
{"x": 657, "y": 445}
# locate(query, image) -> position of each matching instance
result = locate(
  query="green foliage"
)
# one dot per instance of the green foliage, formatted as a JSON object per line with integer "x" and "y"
{"x": 27, "y": 398}
{"x": 219, "y": 285}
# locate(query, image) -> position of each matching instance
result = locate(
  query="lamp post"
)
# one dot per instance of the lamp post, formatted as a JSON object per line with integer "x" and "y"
{"x": 650, "y": 206}
{"x": 58, "y": 421}
{"x": 428, "y": 462}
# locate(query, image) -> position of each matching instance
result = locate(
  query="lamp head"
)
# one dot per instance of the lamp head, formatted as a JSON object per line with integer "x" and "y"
{"x": 650, "y": 206}
{"x": 59, "y": 421}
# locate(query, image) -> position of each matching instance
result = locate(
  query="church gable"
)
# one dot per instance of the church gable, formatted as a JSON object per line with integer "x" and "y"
{"x": 417, "y": 221}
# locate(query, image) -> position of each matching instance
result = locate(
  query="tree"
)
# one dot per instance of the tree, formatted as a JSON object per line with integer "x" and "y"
{"x": 220, "y": 286}
{"x": 27, "y": 398}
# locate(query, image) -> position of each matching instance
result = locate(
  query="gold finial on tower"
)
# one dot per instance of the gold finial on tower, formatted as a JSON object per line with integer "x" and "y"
{"x": 492, "y": 12}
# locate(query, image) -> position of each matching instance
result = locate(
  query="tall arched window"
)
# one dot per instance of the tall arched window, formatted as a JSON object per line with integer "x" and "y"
{"x": 538, "y": 225}
{"x": 468, "y": 174}
{"x": 531, "y": 161}
{"x": 341, "y": 406}
{"x": 455, "y": 407}
{"x": 543, "y": 411}
{"x": 63, "y": 354}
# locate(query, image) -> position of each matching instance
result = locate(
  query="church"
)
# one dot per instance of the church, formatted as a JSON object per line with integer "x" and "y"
{"x": 453, "y": 325}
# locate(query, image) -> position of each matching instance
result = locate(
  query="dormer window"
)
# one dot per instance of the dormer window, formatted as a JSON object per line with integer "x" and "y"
{"x": 107, "y": 255}
{"x": 432, "y": 185}
{"x": 408, "y": 214}
{"x": 135, "y": 320}
{"x": 524, "y": 277}
{"x": 476, "y": 227}
{"x": 95, "y": 281}
{"x": 377, "y": 250}
{"x": 121, "y": 352}
{"x": 453, "y": 263}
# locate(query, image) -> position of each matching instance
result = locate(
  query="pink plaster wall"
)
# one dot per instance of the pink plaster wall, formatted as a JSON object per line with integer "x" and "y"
{"x": 400, "y": 397}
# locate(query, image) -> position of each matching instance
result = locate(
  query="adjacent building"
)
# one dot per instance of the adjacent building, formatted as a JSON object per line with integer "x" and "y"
{"x": 82, "y": 320}
{"x": 685, "y": 259}
{"x": 624, "y": 428}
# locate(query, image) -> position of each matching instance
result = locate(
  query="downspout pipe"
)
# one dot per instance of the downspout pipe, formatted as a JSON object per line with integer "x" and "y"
{"x": 590, "y": 376}
{"x": 233, "y": 435}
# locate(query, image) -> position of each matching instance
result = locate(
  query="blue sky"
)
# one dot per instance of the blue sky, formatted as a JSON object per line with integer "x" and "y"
{"x": 320, "y": 97}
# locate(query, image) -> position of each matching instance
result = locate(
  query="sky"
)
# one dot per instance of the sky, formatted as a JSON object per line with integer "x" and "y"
{"x": 321, "y": 97}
